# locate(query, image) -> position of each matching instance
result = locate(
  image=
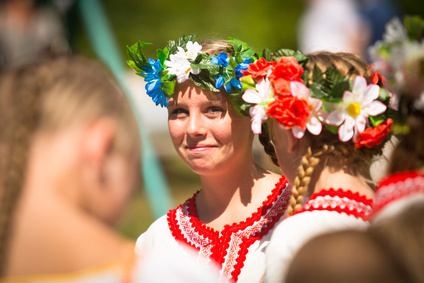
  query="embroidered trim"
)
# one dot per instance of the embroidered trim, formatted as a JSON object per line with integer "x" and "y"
{"x": 339, "y": 201}
{"x": 398, "y": 186}
{"x": 228, "y": 247}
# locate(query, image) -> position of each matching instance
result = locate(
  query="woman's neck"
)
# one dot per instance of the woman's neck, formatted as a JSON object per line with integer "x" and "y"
{"x": 234, "y": 195}
{"x": 341, "y": 180}
{"x": 57, "y": 227}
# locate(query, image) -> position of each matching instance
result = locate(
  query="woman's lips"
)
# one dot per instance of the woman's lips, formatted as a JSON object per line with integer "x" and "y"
{"x": 199, "y": 148}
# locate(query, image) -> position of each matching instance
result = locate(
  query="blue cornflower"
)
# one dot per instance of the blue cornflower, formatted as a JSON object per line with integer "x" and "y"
{"x": 242, "y": 66}
{"x": 232, "y": 83}
{"x": 153, "y": 86}
{"x": 221, "y": 59}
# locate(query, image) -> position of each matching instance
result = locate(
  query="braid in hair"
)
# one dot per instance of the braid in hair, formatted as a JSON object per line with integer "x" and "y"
{"x": 326, "y": 149}
{"x": 264, "y": 138}
{"x": 15, "y": 138}
{"x": 301, "y": 182}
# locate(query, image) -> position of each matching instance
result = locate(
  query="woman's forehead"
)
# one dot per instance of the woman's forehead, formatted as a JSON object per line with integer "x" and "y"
{"x": 189, "y": 91}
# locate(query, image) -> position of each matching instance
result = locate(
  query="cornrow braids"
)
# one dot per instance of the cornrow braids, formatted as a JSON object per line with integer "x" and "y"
{"x": 265, "y": 140}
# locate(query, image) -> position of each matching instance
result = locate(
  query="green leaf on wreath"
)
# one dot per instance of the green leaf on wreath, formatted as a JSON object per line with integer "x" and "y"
{"x": 204, "y": 80}
{"x": 168, "y": 87}
{"x": 134, "y": 67}
{"x": 332, "y": 129}
{"x": 241, "y": 48}
{"x": 266, "y": 54}
{"x": 377, "y": 120}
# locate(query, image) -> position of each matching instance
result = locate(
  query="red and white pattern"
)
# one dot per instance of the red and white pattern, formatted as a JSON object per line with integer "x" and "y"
{"x": 228, "y": 247}
{"x": 396, "y": 187}
{"x": 340, "y": 201}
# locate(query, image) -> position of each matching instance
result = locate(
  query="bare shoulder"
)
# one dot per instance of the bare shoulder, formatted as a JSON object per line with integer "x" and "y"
{"x": 269, "y": 179}
{"x": 272, "y": 177}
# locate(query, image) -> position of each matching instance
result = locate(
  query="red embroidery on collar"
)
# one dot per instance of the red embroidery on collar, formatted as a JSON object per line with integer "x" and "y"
{"x": 398, "y": 186}
{"x": 230, "y": 246}
{"x": 339, "y": 201}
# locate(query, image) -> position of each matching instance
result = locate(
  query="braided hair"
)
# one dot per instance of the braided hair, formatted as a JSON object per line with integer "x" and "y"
{"x": 326, "y": 149}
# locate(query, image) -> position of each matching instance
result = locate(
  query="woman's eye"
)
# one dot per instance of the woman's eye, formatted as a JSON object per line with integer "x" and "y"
{"x": 178, "y": 112}
{"x": 214, "y": 110}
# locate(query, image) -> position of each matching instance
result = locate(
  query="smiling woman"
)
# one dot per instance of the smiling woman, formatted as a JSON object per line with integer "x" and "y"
{"x": 206, "y": 131}
{"x": 229, "y": 220}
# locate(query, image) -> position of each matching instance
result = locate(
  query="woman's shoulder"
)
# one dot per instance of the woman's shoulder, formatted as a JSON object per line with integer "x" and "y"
{"x": 157, "y": 236}
{"x": 271, "y": 180}
{"x": 127, "y": 266}
{"x": 397, "y": 191}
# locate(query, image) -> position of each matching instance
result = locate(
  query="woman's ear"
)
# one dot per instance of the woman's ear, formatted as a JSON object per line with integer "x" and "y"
{"x": 99, "y": 139}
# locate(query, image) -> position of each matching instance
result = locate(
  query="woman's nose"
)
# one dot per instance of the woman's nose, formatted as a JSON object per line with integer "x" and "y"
{"x": 196, "y": 125}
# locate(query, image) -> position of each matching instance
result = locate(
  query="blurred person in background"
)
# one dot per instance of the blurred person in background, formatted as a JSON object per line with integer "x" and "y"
{"x": 333, "y": 25}
{"x": 400, "y": 57}
{"x": 347, "y": 256}
{"x": 377, "y": 13}
{"x": 70, "y": 155}
{"x": 399, "y": 204}
{"x": 29, "y": 32}
{"x": 403, "y": 235}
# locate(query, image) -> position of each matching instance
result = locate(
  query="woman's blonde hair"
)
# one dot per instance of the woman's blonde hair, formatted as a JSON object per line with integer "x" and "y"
{"x": 47, "y": 97}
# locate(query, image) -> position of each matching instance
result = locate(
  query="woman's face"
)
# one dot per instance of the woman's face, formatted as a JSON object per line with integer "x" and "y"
{"x": 206, "y": 131}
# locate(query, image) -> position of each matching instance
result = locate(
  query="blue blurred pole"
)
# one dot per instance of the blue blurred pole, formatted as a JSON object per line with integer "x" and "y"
{"x": 104, "y": 44}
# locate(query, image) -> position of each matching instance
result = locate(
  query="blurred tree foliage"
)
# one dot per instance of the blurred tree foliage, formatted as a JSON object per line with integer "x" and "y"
{"x": 262, "y": 24}
{"x": 270, "y": 23}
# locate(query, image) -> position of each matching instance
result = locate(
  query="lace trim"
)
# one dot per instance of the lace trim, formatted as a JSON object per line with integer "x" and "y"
{"x": 340, "y": 201}
{"x": 398, "y": 186}
{"x": 230, "y": 246}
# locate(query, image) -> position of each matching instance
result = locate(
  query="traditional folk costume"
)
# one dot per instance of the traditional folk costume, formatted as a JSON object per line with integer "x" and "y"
{"x": 325, "y": 211}
{"x": 238, "y": 250}
{"x": 397, "y": 192}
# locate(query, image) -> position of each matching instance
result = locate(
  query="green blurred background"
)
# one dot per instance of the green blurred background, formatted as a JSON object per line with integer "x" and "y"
{"x": 267, "y": 23}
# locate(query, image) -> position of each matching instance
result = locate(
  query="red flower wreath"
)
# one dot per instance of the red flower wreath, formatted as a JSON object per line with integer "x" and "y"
{"x": 289, "y": 111}
{"x": 286, "y": 70}
{"x": 259, "y": 69}
{"x": 373, "y": 136}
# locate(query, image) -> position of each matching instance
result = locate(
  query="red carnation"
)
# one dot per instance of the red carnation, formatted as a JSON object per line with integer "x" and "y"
{"x": 259, "y": 69}
{"x": 286, "y": 70}
{"x": 373, "y": 136}
{"x": 289, "y": 111}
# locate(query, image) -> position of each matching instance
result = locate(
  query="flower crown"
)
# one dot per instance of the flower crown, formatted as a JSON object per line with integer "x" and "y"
{"x": 183, "y": 60}
{"x": 277, "y": 86}
{"x": 400, "y": 57}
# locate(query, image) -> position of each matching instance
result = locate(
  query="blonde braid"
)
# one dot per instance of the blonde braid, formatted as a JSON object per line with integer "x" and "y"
{"x": 307, "y": 167}
{"x": 301, "y": 182}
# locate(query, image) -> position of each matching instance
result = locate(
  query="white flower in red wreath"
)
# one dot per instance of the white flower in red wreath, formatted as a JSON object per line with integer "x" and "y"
{"x": 356, "y": 106}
